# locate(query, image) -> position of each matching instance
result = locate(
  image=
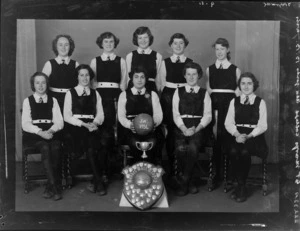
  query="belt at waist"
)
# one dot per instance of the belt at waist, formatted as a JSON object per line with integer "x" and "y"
{"x": 83, "y": 116}
{"x": 246, "y": 125}
{"x": 107, "y": 85}
{"x": 174, "y": 85}
{"x": 59, "y": 90}
{"x": 151, "y": 79}
{"x": 222, "y": 91}
{"x": 41, "y": 121}
{"x": 190, "y": 116}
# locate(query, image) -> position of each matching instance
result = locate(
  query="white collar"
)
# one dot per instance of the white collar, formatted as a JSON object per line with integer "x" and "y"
{"x": 147, "y": 50}
{"x": 104, "y": 56}
{"x": 59, "y": 59}
{"x": 81, "y": 88}
{"x": 135, "y": 90}
{"x": 188, "y": 88}
{"x": 181, "y": 57}
{"x": 225, "y": 63}
{"x": 37, "y": 97}
{"x": 251, "y": 98}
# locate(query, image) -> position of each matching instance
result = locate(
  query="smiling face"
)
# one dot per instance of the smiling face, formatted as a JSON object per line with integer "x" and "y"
{"x": 246, "y": 85}
{"x": 191, "y": 76}
{"x": 139, "y": 80}
{"x": 84, "y": 77}
{"x": 108, "y": 45}
{"x": 221, "y": 52}
{"x": 178, "y": 46}
{"x": 40, "y": 85}
{"x": 143, "y": 41}
{"x": 63, "y": 46}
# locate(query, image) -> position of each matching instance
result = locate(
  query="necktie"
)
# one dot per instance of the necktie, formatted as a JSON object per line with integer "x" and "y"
{"x": 143, "y": 52}
{"x": 192, "y": 90}
{"x": 221, "y": 66}
{"x": 246, "y": 102}
{"x": 62, "y": 62}
{"x": 178, "y": 59}
{"x": 84, "y": 92}
{"x": 139, "y": 92}
{"x": 108, "y": 58}
{"x": 41, "y": 100}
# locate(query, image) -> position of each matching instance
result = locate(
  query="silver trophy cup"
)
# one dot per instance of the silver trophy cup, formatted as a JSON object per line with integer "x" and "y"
{"x": 144, "y": 146}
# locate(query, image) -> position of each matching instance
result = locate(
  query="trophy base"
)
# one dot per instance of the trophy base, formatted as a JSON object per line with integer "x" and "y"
{"x": 161, "y": 203}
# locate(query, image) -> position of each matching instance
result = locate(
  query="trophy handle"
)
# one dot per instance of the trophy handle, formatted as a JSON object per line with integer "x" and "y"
{"x": 150, "y": 145}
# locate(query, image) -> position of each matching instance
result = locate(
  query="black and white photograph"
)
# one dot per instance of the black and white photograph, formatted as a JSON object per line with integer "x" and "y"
{"x": 149, "y": 115}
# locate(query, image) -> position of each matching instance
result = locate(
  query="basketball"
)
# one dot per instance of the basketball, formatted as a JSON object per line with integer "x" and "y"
{"x": 143, "y": 124}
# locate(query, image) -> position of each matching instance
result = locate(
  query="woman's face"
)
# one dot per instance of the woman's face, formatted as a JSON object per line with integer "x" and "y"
{"x": 84, "y": 77}
{"x": 108, "y": 45}
{"x": 191, "y": 76}
{"x": 139, "y": 80}
{"x": 40, "y": 85}
{"x": 246, "y": 85}
{"x": 143, "y": 41}
{"x": 221, "y": 52}
{"x": 63, "y": 46}
{"x": 178, "y": 46}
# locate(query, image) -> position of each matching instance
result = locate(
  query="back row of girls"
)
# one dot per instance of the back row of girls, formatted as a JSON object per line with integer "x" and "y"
{"x": 112, "y": 73}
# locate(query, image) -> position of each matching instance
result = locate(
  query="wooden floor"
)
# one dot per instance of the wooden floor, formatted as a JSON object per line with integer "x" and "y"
{"x": 79, "y": 198}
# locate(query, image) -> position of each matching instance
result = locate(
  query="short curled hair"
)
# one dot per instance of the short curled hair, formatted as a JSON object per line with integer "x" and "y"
{"x": 179, "y": 36}
{"x": 193, "y": 65}
{"x": 107, "y": 35}
{"x": 142, "y": 30}
{"x": 71, "y": 42}
{"x": 251, "y": 76}
{"x": 223, "y": 42}
{"x": 87, "y": 67}
{"x": 38, "y": 73}
{"x": 138, "y": 69}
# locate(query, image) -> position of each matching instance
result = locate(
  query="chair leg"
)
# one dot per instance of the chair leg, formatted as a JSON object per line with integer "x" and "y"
{"x": 69, "y": 177}
{"x": 63, "y": 176}
{"x": 265, "y": 186}
{"x": 225, "y": 174}
{"x": 26, "y": 188}
{"x": 210, "y": 177}
{"x": 124, "y": 158}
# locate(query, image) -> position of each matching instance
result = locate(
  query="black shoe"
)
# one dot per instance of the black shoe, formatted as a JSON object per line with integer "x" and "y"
{"x": 91, "y": 187}
{"x": 242, "y": 195}
{"x": 48, "y": 192}
{"x": 101, "y": 191}
{"x": 173, "y": 183}
{"x": 57, "y": 195}
{"x": 192, "y": 188}
{"x": 181, "y": 191}
{"x": 234, "y": 193}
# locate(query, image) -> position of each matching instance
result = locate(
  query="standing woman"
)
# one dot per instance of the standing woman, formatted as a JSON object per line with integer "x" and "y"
{"x": 110, "y": 72}
{"x": 222, "y": 86}
{"x": 61, "y": 70}
{"x": 246, "y": 121}
{"x": 41, "y": 120}
{"x": 146, "y": 57}
{"x": 83, "y": 114}
{"x": 172, "y": 77}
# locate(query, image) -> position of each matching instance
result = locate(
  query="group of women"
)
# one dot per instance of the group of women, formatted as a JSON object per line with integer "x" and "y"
{"x": 76, "y": 104}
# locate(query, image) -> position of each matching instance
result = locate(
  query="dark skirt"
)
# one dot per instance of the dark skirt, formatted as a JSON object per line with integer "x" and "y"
{"x": 30, "y": 139}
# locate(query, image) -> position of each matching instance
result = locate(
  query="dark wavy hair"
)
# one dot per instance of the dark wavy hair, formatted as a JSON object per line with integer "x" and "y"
{"x": 32, "y": 78}
{"x": 71, "y": 42}
{"x": 87, "y": 67}
{"x": 138, "y": 69}
{"x": 251, "y": 76}
{"x": 142, "y": 30}
{"x": 223, "y": 42}
{"x": 179, "y": 36}
{"x": 193, "y": 65}
{"x": 107, "y": 35}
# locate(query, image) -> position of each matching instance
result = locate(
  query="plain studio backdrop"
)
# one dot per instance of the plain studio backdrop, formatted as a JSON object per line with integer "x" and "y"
{"x": 254, "y": 47}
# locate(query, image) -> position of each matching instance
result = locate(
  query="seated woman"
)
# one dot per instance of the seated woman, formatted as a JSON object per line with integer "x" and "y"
{"x": 83, "y": 114}
{"x": 41, "y": 120}
{"x": 134, "y": 101}
{"x": 191, "y": 114}
{"x": 246, "y": 121}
